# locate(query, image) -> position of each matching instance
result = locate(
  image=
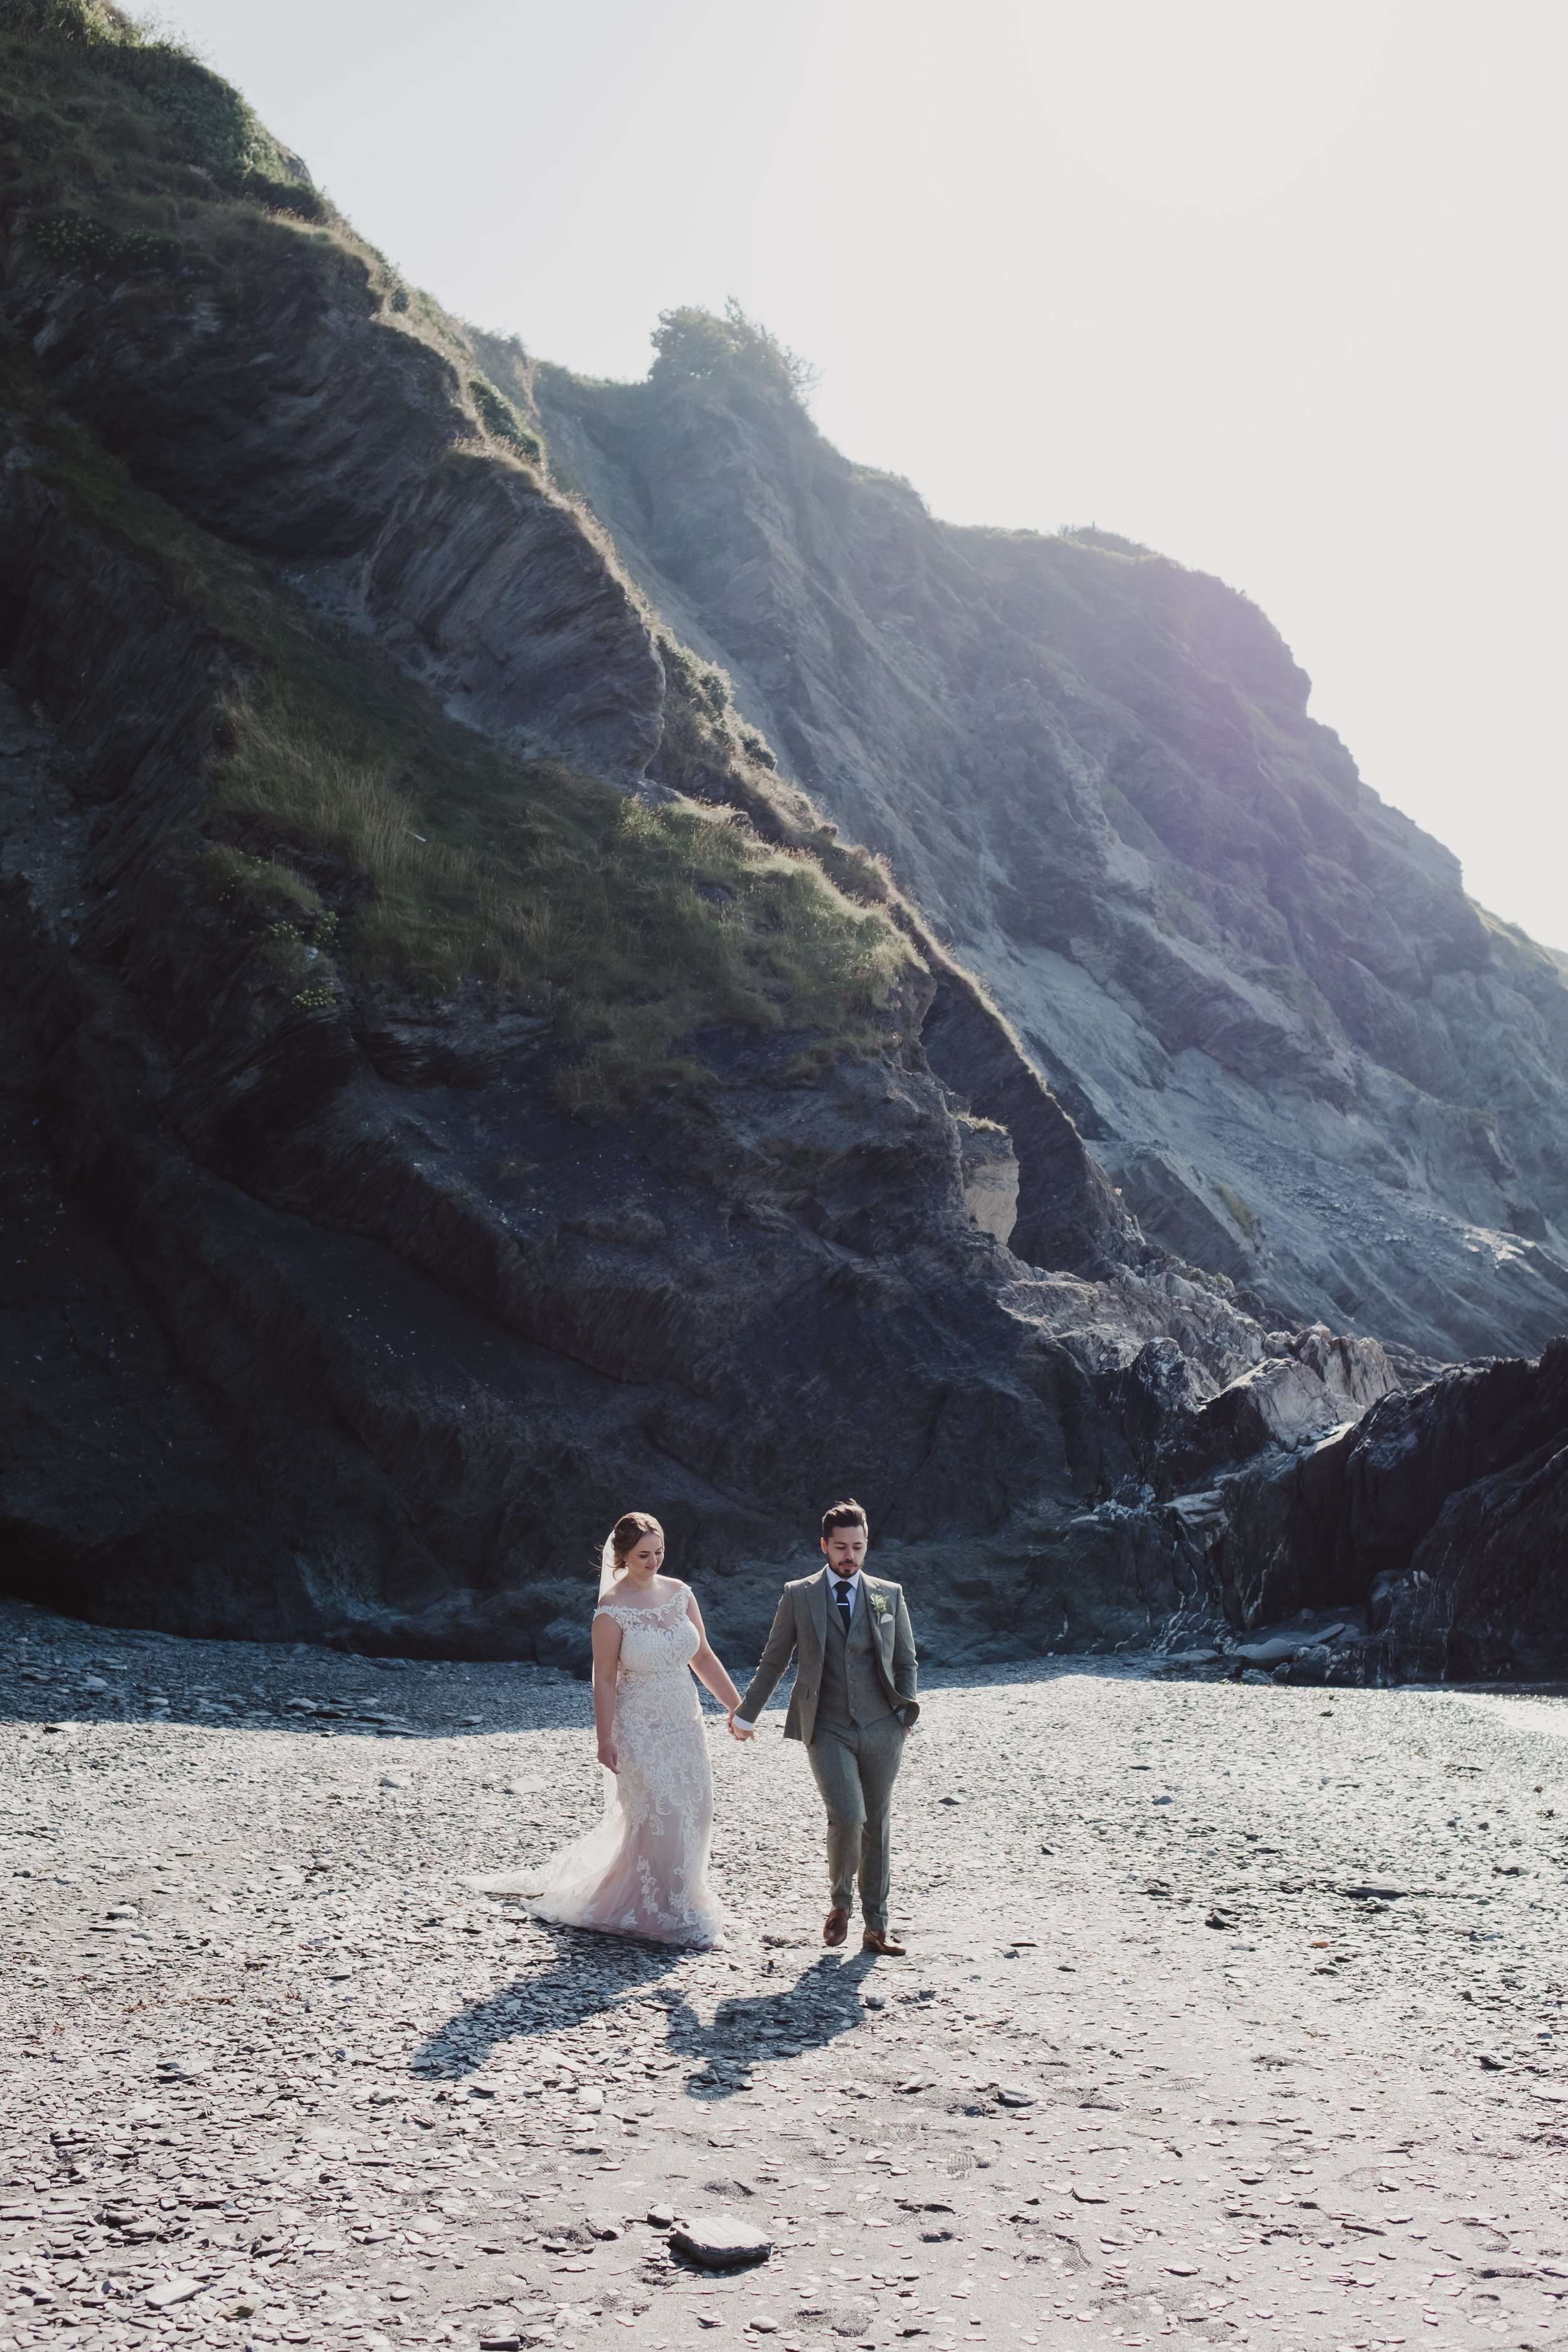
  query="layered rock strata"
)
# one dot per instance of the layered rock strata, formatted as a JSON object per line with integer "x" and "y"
{"x": 1305, "y": 1056}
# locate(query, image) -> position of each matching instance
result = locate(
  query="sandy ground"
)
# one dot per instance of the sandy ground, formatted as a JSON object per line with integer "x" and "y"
{"x": 1230, "y": 2013}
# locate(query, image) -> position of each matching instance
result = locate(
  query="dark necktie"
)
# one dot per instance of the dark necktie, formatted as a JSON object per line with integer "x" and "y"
{"x": 841, "y": 1594}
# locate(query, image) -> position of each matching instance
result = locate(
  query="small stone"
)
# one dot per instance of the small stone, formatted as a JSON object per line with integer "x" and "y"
{"x": 174, "y": 2290}
{"x": 1088, "y": 2196}
{"x": 1014, "y": 2095}
{"x": 661, "y": 2217}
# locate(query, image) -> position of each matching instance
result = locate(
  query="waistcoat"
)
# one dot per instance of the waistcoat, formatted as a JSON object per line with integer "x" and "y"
{"x": 852, "y": 1687}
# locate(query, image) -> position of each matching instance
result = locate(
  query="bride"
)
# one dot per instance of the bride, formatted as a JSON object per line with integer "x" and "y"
{"x": 642, "y": 1869}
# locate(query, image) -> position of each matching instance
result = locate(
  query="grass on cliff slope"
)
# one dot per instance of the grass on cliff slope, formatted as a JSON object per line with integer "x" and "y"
{"x": 165, "y": 108}
{"x": 132, "y": 159}
{"x": 350, "y": 812}
{"x": 637, "y": 926}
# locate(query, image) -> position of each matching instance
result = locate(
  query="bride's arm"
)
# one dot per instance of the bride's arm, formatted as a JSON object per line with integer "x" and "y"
{"x": 606, "y": 1637}
{"x": 706, "y": 1667}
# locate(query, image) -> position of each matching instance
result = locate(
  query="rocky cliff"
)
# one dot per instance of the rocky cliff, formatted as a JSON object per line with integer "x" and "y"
{"x": 459, "y": 1082}
{"x": 1307, "y": 1058}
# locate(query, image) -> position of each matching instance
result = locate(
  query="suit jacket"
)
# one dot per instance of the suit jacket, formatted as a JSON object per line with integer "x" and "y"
{"x": 801, "y": 1625}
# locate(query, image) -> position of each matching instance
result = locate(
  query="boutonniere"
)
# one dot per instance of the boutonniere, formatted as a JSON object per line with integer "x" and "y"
{"x": 879, "y": 1603}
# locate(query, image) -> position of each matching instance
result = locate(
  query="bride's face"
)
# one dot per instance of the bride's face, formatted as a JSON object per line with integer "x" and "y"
{"x": 643, "y": 1563}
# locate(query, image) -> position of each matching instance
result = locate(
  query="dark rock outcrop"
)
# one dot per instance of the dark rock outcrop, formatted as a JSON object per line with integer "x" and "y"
{"x": 1442, "y": 1511}
{"x": 1068, "y": 1214}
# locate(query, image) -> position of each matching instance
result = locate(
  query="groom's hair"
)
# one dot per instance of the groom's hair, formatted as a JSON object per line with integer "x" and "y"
{"x": 844, "y": 1515}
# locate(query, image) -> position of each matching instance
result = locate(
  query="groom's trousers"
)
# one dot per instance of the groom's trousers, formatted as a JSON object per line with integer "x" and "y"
{"x": 854, "y": 1766}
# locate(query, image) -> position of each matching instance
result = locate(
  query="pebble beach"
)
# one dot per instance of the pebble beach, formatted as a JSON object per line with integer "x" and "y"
{"x": 1232, "y": 2013}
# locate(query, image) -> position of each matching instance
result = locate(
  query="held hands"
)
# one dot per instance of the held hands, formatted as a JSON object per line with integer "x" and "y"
{"x": 742, "y": 1731}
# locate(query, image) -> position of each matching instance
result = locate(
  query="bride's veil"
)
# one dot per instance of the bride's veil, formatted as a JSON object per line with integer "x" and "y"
{"x": 611, "y": 1785}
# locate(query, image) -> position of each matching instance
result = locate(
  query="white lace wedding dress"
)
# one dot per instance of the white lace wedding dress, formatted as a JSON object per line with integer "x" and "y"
{"x": 642, "y": 1869}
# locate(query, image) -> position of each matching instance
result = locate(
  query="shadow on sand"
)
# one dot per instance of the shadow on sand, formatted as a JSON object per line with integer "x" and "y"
{"x": 819, "y": 2005}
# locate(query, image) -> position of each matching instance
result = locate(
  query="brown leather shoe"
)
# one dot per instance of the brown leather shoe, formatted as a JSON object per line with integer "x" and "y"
{"x": 877, "y": 1939}
{"x": 835, "y": 1926}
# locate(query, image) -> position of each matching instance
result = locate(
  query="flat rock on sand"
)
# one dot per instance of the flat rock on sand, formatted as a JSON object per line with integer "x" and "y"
{"x": 718, "y": 2242}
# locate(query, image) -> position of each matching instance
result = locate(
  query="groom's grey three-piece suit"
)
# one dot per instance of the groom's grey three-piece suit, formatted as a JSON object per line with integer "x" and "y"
{"x": 853, "y": 1700}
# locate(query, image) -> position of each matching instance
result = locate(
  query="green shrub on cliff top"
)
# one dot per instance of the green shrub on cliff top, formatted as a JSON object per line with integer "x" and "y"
{"x": 695, "y": 342}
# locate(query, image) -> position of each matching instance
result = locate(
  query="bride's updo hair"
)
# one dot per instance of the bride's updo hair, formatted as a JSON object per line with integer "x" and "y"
{"x": 628, "y": 1532}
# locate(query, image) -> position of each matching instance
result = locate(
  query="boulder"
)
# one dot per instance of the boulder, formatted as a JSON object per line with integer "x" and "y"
{"x": 1442, "y": 1511}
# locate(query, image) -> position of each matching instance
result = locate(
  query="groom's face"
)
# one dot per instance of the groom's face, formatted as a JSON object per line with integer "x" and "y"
{"x": 846, "y": 1548}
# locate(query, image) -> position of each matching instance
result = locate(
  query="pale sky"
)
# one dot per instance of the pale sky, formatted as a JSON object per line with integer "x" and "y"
{"x": 1274, "y": 285}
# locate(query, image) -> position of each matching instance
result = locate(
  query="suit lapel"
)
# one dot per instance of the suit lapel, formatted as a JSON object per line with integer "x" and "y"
{"x": 880, "y": 1623}
{"x": 817, "y": 1602}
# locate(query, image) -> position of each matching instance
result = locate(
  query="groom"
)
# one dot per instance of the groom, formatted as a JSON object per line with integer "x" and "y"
{"x": 853, "y": 1703}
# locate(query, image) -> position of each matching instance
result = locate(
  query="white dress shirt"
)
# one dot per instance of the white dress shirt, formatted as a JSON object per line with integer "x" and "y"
{"x": 853, "y": 1581}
